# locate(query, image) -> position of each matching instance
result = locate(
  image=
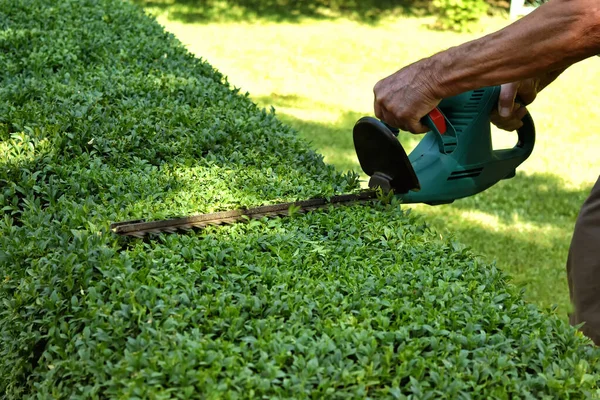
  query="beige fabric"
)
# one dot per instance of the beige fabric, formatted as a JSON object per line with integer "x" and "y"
{"x": 583, "y": 267}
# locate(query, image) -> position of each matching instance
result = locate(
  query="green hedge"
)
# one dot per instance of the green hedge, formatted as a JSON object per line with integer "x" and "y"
{"x": 105, "y": 117}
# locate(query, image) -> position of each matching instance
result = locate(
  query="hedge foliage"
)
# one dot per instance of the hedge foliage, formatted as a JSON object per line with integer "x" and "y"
{"x": 105, "y": 117}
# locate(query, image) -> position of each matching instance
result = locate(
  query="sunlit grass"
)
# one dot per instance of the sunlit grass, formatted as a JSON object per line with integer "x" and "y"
{"x": 319, "y": 77}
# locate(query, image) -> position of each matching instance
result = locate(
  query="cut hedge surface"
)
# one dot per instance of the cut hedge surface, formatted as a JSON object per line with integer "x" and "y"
{"x": 105, "y": 117}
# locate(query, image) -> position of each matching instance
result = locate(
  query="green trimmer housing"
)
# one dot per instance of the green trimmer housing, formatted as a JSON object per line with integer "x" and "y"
{"x": 455, "y": 159}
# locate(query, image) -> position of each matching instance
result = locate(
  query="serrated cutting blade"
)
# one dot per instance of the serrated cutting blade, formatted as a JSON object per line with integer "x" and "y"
{"x": 140, "y": 228}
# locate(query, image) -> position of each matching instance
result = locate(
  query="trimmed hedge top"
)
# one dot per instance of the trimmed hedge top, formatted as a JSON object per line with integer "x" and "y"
{"x": 105, "y": 117}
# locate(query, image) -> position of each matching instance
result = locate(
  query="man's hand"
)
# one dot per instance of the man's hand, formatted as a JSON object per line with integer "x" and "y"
{"x": 509, "y": 113}
{"x": 403, "y": 98}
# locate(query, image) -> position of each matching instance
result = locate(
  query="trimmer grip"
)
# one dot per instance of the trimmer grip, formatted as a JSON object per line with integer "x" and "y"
{"x": 526, "y": 134}
{"x": 525, "y": 144}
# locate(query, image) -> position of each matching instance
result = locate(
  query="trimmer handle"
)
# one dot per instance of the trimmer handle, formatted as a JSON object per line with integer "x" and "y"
{"x": 448, "y": 140}
{"x": 526, "y": 142}
{"x": 526, "y": 134}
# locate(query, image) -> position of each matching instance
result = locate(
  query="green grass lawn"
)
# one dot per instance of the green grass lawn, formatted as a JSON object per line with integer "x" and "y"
{"x": 319, "y": 75}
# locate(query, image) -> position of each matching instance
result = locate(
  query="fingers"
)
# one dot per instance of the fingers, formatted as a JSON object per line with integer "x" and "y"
{"x": 506, "y": 101}
{"x": 403, "y": 98}
{"x": 405, "y": 122}
{"x": 403, "y": 117}
{"x": 378, "y": 110}
{"x": 509, "y": 114}
{"x": 415, "y": 127}
{"x": 511, "y": 123}
{"x": 521, "y": 113}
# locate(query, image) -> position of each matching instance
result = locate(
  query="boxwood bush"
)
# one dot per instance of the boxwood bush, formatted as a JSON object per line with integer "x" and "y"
{"x": 105, "y": 117}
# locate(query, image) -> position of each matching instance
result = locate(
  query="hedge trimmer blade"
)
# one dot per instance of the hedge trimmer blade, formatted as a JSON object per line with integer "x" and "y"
{"x": 140, "y": 228}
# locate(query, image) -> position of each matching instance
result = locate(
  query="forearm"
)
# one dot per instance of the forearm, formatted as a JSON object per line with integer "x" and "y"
{"x": 553, "y": 37}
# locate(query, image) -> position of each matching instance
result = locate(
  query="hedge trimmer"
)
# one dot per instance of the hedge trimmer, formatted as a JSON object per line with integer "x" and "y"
{"x": 455, "y": 159}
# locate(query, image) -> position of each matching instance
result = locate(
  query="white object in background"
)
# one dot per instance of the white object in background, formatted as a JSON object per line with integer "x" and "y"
{"x": 518, "y": 9}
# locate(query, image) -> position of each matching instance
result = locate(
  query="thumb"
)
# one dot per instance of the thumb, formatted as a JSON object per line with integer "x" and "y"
{"x": 506, "y": 101}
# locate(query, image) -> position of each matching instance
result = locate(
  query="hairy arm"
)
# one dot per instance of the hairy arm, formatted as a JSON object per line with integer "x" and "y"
{"x": 556, "y": 35}
{"x": 547, "y": 41}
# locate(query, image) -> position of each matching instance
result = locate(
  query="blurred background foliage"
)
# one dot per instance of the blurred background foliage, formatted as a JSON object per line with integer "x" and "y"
{"x": 455, "y": 15}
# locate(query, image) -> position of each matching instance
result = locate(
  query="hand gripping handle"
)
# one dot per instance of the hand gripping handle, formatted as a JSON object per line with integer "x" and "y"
{"x": 434, "y": 119}
{"x": 525, "y": 143}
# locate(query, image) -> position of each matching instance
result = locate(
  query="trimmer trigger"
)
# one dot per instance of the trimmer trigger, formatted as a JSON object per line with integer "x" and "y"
{"x": 438, "y": 120}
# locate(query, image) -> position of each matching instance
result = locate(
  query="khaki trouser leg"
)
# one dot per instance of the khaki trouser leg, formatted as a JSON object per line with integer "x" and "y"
{"x": 583, "y": 267}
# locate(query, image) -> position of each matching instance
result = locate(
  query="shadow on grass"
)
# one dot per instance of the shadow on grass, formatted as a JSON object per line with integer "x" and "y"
{"x": 539, "y": 198}
{"x": 364, "y": 11}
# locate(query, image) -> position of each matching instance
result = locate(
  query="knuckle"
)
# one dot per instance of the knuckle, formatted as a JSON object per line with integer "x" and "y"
{"x": 378, "y": 87}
